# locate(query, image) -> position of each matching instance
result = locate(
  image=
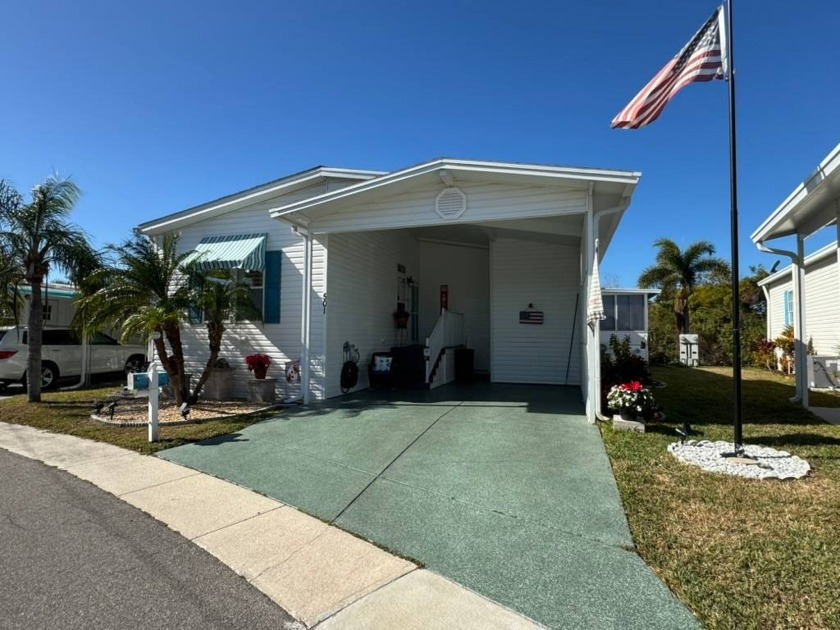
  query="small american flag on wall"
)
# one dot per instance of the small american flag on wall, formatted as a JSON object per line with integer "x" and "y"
{"x": 531, "y": 317}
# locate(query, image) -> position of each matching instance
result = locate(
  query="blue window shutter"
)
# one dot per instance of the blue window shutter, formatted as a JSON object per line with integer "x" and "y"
{"x": 272, "y": 287}
{"x": 788, "y": 308}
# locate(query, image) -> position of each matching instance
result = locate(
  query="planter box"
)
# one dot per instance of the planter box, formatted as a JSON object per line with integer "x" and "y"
{"x": 262, "y": 390}
{"x": 619, "y": 424}
{"x": 218, "y": 385}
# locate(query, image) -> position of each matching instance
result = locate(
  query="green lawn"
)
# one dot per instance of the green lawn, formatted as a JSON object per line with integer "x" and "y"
{"x": 69, "y": 412}
{"x": 739, "y": 553}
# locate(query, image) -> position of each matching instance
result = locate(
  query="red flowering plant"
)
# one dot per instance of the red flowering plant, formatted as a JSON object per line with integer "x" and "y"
{"x": 632, "y": 398}
{"x": 258, "y": 361}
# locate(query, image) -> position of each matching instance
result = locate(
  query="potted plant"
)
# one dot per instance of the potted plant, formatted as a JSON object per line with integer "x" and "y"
{"x": 634, "y": 404}
{"x": 258, "y": 364}
{"x": 219, "y": 380}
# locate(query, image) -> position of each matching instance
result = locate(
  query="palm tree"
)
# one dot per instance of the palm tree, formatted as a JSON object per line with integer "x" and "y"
{"x": 221, "y": 299}
{"x": 145, "y": 290}
{"x": 38, "y": 237}
{"x": 678, "y": 272}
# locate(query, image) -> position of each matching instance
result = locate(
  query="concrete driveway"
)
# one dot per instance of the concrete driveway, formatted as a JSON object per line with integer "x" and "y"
{"x": 505, "y": 489}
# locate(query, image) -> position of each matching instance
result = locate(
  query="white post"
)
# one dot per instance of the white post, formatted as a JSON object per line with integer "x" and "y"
{"x": 153, "y": 403}
{"x": 800, "y": 338}
{"x": 306, "y": 316}
{"x": 592, "y": 346}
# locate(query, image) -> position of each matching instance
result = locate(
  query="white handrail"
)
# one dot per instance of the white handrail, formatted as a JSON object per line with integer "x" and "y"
{"x": 447, "y": 333}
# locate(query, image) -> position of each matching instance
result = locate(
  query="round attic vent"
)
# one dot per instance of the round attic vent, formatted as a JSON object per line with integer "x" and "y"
{"x": 450, "y": 203}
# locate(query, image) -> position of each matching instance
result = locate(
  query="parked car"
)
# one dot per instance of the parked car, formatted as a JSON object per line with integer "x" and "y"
{"x": 61, "y": 355}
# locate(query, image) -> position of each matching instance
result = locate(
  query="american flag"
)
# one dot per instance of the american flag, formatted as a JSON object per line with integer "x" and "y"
{"x": 702, "y": 59}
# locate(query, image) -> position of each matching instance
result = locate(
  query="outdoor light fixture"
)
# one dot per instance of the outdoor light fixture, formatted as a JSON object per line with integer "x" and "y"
{"x": 185, "y": 410}
{"x": 111, "y": 408}
{"x": 684, "y": 431}
{"x": 97, "y": 407}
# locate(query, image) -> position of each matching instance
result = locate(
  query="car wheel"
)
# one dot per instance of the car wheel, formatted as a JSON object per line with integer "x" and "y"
{"x": 135, "y": 363}
{"x": 49, "y": 375}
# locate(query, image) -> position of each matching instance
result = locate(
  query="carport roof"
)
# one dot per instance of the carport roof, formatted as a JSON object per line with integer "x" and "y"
{"x": 620, "y": 182}
{"x": 814, "y": 204}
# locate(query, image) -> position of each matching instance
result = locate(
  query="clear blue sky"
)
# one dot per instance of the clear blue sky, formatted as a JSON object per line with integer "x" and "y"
{"x": 156, "y": 106}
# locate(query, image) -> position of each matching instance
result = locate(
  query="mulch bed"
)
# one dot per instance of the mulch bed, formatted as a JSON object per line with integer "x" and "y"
{"x": 134, "y": 411}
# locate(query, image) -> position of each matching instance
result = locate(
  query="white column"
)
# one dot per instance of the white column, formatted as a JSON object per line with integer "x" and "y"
{"x": 153, "y": 402}
{"x": 800, "y": 339}
{"x": 306, "y": 324}
{"x": 592, "y": 341}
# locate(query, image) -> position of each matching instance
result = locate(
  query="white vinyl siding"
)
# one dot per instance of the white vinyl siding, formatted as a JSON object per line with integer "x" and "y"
{"x": 822, "y": 305}
{"x": 485, "y": 202}
{"x": 362, "y": 296}
{"x": 545, "y": 275}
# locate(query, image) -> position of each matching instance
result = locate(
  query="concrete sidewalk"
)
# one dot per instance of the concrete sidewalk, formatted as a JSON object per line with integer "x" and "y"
{"x": 323, "y": 576}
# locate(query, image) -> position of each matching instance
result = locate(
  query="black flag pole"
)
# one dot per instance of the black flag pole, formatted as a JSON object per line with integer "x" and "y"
{"x": 733, "y": 192}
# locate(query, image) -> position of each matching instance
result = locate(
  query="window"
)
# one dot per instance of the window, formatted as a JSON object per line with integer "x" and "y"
{"x": 788, "y": 308}
{"x": 254, "y": 280}
{"x": 624, "y": 312}
{"x": 609, "y": 311}
{"x": 47, "y": 312}
{"x": 631, "y": 312}
{"x": 59, "y": 338}
{"x": 101, "y": 339}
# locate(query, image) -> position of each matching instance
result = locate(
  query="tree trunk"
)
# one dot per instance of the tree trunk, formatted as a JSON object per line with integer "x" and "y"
{"x": 35, "y": 337}
{"x": 180, "y": 385}
{"x": 214, "y": 337}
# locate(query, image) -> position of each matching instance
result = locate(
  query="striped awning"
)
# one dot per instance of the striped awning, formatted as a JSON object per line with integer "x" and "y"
{"x": 240, "y": 251}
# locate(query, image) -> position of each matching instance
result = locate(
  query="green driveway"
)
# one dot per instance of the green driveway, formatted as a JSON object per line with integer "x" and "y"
{"x": 504, "y": 489}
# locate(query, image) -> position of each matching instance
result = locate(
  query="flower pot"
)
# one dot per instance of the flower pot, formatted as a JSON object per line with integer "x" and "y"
{"x": 260, "y": 371}
{"x": 218, "y": 384}
{"x": 627, "y": 414}
{"x": 401, "y": 320}
{"x": 628, "y": 421}
{"x": 262, "y": 390}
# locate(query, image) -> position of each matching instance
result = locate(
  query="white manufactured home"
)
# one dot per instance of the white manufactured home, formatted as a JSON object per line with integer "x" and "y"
{"x": 805, "y": 294}
{"x": 493, "y": 257}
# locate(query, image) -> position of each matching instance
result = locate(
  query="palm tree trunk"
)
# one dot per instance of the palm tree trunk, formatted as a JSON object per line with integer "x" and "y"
{"x": 171, "y": 368}
{"x": 182, "y": 387}
{"x": 35, "y": 338}
{"x": 214, "y": 338}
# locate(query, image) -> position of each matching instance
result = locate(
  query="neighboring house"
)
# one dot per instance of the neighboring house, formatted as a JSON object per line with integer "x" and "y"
{"x": 59, "y": 304}
{"x": 627, "y": 316}
{"x": 805, "y": 294}
{"x": 821, "y": 288}
{"x": 494, "y": 256}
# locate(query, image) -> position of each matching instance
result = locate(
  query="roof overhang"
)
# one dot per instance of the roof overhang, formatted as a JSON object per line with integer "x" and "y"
{"x": 829, "y": 250}
{"x": 814, "y": 204}
{"x": 611, "y": 189}
{"x": 251, "y": 196}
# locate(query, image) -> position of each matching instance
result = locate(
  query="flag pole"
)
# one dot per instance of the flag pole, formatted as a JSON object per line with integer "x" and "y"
{"x": 733, "y": 192}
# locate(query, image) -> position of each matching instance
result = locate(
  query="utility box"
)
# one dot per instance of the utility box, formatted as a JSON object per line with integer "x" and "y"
{"x": 690, "y": 350}
{"x": 823, "y": 372}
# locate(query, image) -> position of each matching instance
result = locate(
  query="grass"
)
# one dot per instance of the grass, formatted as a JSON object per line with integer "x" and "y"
{"x": 739, "y": 553}
{"x": 69, "y": 412}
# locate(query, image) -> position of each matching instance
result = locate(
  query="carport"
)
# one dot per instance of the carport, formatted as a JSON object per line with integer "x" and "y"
{"x": 505, "y": 489}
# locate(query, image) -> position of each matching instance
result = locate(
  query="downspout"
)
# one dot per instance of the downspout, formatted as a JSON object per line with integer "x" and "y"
{"x": 597, "y": 226}
{"x": 799, "y": 348}
{"x": 83, "y": 377}
{"x": 305, "y": 326}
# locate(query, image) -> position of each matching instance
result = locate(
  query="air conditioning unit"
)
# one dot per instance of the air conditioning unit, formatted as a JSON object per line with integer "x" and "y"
{"x": 823, "y": 372}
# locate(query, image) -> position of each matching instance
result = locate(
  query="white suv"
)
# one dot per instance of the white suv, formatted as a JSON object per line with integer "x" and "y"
{"x": 61, "y": 355}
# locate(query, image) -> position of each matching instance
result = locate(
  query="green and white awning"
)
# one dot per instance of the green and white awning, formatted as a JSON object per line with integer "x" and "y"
{"x": 240, "y": 251}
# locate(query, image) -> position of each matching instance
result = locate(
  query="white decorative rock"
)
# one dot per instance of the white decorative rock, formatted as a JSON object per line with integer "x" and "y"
{"x": 771, "y": 464}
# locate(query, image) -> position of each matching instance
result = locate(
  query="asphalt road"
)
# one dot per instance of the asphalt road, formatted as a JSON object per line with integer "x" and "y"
{"x": 73, "y": 556}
